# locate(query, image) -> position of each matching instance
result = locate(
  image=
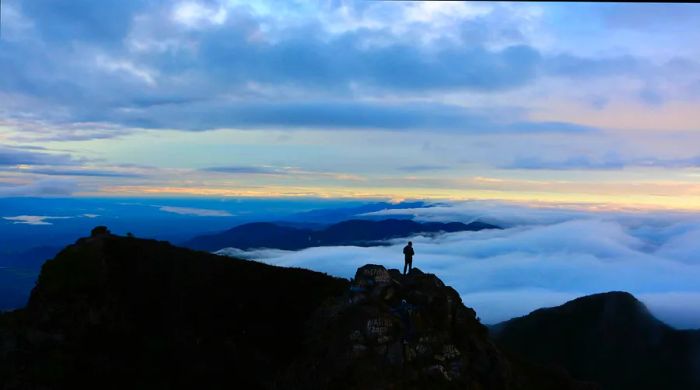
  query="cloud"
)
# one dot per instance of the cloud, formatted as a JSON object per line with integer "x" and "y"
{"x": 573, "y": 162}
{"x": 244, "y": 170}
{"x": 674, "y": 305}
{"x": 611, "y": 161}
{"x": 41, "y": 187}
{"x": 421, "y": 168}
{"x": 641, "y": 16}
{"x": 295, "y": 172}
{"x": 195, "y": 211}
{"x": 42, "y": 219}
{"x": 572, "y": 66}
{"x": 32, "y": 219}
{"x": 503, "y": 304}
{"x": 546, "y": 258}
{"x": 82, "y": 19}
{"x": 110, "y": 66}
{"x": 504, "y": 214}
{"x": 335, "y": 115}
{"x": 651, "y": 96}
{"x": 78, "y": 172}
{"x": 20, "y": 156}
{"x": 682, "y": 245}
{"x": 54, "y": 128}
{"x": 193, "y": 15}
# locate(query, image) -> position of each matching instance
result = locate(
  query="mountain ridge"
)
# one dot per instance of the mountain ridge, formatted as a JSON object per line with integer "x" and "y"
{"x": 351, "y": 232}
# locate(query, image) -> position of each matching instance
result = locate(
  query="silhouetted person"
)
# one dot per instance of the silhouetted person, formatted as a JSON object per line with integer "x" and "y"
{"x": 408, "y": 257}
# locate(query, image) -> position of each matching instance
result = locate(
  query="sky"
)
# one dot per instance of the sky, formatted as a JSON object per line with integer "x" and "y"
{"x": 580, "y": 103}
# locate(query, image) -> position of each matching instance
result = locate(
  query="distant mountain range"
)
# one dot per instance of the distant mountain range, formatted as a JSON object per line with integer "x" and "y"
{"x": 357, "y": 232}
{"x": 608, "y": 338}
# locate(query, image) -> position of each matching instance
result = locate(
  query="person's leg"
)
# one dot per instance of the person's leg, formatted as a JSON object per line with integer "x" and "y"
{"x": 410, "y": 266}
{"x": 405, "y": 264}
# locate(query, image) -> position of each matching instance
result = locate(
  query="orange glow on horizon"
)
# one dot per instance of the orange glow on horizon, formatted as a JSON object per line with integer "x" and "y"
{"x": 588, "y": 201}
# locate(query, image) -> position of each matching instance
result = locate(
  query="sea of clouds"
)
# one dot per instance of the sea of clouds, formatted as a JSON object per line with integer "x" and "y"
{"x": 545, "y": 256}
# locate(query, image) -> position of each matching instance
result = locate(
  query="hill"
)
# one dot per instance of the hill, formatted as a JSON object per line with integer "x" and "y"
{"x": 353, "y": 232}
{"x": 113, "y": 311}
{"x": 610, "y": 338}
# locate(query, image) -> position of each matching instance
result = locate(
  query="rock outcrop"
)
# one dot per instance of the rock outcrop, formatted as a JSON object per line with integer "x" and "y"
{"x": 406, "y": 331}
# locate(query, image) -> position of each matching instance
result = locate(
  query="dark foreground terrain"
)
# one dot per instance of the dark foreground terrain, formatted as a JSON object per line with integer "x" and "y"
{"x": 120, "y": 312}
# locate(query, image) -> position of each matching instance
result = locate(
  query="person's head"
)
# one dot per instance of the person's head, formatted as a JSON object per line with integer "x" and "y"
{"x": 410, "y": 243}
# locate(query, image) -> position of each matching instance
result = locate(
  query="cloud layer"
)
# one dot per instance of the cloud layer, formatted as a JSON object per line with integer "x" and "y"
{"x": 545, "y": 257}
{"x": 42, "y": 219}
{"x": 195, "y": 211}
{"x": 103, "y": 69}
{"x": 41, "y": 187}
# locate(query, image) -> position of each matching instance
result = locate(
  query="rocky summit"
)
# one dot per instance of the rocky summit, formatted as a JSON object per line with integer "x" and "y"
{"x": 407, "y": 331}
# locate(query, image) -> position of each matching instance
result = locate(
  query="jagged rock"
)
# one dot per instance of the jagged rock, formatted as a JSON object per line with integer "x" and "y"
{"x": 396, "y": 331}
{"x": 99, "y": 231}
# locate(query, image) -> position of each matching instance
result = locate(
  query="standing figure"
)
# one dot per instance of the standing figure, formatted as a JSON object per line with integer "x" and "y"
{"x": 408, "y": 257}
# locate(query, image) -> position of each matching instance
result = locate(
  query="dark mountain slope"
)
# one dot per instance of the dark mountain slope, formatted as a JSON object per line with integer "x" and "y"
{"x": 353, "y": 232}
{"x": 114, "y": 311}
{"x": 610, "y": 338}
